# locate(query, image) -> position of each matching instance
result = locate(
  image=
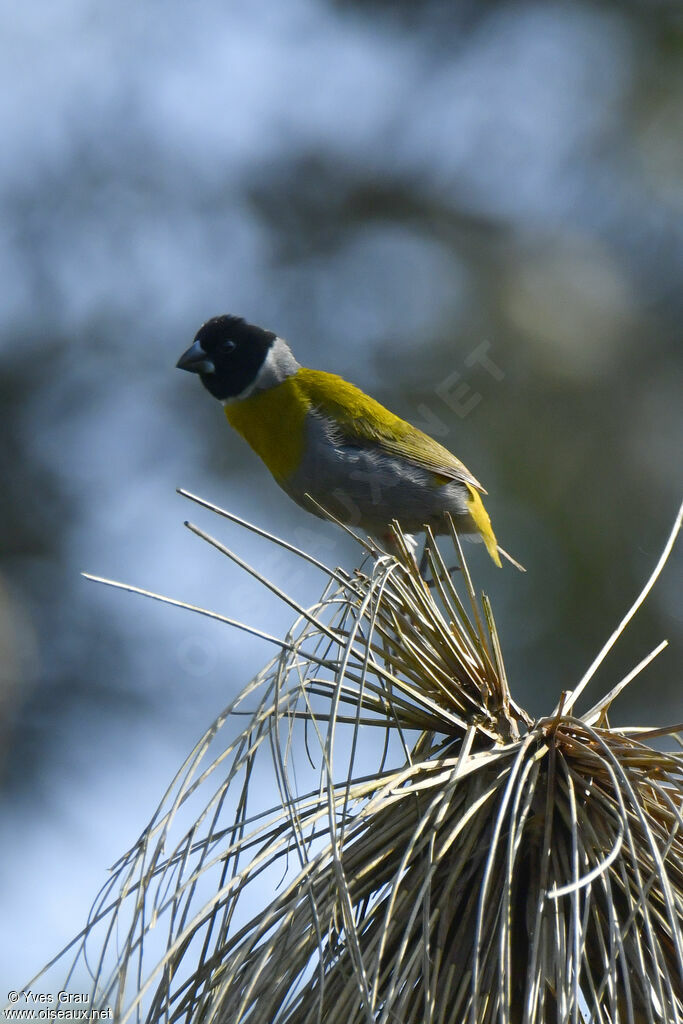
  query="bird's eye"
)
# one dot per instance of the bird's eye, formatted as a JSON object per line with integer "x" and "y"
{"x": 228, "y": 345}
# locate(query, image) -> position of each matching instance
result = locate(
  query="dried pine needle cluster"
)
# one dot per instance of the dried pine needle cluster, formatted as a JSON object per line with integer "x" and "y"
{"x": 390, "y": 838}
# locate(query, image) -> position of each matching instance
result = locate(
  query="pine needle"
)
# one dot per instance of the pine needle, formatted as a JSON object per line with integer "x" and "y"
{"x": 473, "y": 867}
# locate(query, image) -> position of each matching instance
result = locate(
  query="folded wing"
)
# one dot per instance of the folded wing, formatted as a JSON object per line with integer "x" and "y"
{"x": 361, "y": 420}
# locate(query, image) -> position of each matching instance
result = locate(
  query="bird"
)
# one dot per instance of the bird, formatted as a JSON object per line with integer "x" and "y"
{"x": 332, "y": 448}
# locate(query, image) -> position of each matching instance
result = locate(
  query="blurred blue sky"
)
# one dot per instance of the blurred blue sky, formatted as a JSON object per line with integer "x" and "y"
{"x": 388, "y": 190}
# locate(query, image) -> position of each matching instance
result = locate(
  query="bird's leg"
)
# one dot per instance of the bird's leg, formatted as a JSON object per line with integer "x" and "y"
{"x": 424, "y": 562}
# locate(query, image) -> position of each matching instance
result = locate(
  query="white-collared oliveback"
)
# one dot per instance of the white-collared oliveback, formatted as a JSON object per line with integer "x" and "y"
{"x": 321, "y": 436}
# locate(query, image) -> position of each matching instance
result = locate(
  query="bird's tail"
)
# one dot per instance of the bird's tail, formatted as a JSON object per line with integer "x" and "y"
{"x": 482, "y": 522}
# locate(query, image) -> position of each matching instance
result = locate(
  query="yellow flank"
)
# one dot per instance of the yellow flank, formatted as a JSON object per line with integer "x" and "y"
{"x": 483, "y": 523}
{"x": 272, "y": 422}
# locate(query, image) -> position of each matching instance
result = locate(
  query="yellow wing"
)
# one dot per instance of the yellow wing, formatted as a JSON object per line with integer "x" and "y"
{"x": 361, "y": 419}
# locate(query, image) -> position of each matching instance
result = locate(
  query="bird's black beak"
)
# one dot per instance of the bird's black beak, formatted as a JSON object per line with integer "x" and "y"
{"x": 195, "y": 360}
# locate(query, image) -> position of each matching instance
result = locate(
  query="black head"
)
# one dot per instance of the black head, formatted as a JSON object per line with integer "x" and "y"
{"x": 227, "y": 354}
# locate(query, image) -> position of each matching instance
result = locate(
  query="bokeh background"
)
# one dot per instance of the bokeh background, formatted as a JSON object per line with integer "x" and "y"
{"x": 472, "y": 210}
